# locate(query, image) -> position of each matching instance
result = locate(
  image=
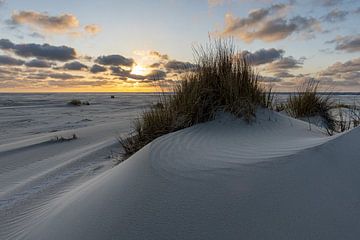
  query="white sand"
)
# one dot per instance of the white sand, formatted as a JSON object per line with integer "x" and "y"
{"x": 273, "y": 179}
{"x": 35, "y": 172}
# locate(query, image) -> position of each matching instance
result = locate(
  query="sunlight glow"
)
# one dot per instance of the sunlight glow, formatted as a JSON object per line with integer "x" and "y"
{"x": 139, "y": 70}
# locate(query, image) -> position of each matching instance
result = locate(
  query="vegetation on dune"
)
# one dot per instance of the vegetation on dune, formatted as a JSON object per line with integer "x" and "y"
{"x": 222, "y": 80}
{"x": 307, "y": 102}
{"x": 77, "y": 102}
{"x": 64, "y": 139}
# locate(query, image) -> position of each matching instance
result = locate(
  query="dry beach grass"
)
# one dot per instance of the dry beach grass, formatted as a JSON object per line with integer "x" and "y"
{"x": 222, "y": 80}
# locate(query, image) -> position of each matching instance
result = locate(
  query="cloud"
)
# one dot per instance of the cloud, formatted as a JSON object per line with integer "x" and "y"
{"x": 115, "y": 60}
{"x": 280, "y": 68}
{"x": 97, "y": 68}
{"x": 125, "y": 74}
{"x": 75, "y": 65}
{"x": 156, "y": 75}
{"x": 345, "y": 74}
{"x": 72, "y": 83}
{"x": 178, "y": 66}
{"x": 213, "y": 3}
{"x": 284, "y": 74}
{"x": 155, "y": 65}
{"x": 118, "y": 71}
{"x": 92, "y": 29}
{"x": 39, "y": 63}
{"x": 348, "y": 44}
{"x": 341, "y": 68}
{"x": 267, "y": 24}
{"x": 335, "y": 16}
{"x": 263, "y": 56}
{"x": 136, "y": 77}
{"x": 267, "y": 79}
{"x": 40, "y": 70}
{"x": 285, "y": 63}
{"x": 330, "y": 3}
{"x": 44, "y": 22}
{"x": 36, "y": 35}
{"x": 42, "y": 51}
{"x": 159, "y": 55}
{"x": 7, "y": 60}
{"x": 63, "y": 76}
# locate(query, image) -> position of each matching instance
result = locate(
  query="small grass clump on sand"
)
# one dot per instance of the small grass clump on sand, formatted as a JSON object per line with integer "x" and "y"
{"x": 307, "y": 102}
{"x": 222, "y": 80}
{"x": 77, "y": 102}
{"x": 65, "y": 139}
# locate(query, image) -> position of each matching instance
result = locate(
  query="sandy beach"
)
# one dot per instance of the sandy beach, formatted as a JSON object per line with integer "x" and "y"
{"x": 277, "y": 173}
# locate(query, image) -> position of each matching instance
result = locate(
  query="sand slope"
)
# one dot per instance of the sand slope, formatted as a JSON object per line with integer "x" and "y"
{"x": 273, "y": 179}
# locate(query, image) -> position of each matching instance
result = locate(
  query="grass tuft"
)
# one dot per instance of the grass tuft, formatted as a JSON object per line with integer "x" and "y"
{"x": 307, "y": 102}
{"x": 64, "y": 139}
{"x": 77, "y": 102}
{"x": 222, "y": 80}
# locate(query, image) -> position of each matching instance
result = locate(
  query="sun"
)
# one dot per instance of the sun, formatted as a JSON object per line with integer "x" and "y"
{"x": 138, "y": 70}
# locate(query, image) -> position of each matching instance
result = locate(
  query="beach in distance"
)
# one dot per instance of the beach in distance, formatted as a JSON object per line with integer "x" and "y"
{"x": 44, "y": 169}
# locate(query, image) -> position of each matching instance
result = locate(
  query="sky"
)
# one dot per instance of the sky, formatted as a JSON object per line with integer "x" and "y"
{"x": 139, "y": 45}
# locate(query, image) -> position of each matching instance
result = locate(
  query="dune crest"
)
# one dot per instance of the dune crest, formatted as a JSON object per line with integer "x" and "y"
{"x": 224, "y": 179}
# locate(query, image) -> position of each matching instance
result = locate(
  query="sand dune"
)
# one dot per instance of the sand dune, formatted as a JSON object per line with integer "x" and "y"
{"x": 36, "y": 171}
{"x": 273, "y": 179}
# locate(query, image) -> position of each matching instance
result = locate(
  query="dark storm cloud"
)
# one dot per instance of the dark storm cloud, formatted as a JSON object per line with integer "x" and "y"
{"x": 42, "y": 51}
{"x": 115, "y": 60}
{"x": 39, "y": 63}
{"x": 75, "y": 65}
{"x": 263, "y": 56}
{"x": 7, "y": 60}
{"x": 97, "y": 68}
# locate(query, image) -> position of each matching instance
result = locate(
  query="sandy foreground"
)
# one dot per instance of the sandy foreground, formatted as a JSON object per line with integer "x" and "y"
{"x": 277, "y": 178}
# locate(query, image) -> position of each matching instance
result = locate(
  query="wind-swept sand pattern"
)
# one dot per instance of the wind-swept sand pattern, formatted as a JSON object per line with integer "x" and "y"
{"x": 36, "y": 169}
{"x": 210, "y": 182}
